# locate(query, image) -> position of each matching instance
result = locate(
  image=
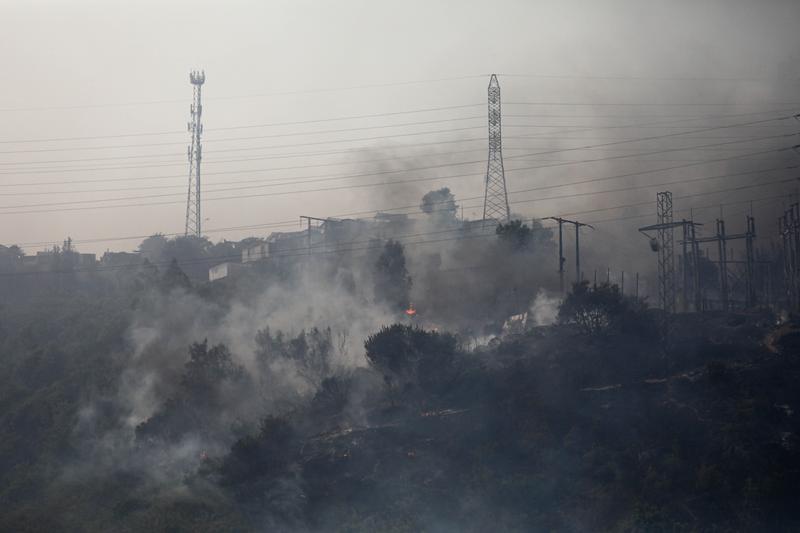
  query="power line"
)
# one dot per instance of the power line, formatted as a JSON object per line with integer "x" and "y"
{"x": 303, "y": 251}
{"x": 313, "y": 179}
{"x": 20, "y": 141}
{"x": 558, "y": 162}
{"x": 171, "y": 155}
{"x": 649, "y": 78}
{"x": 654, "y": 104}
{"x": 161, "y": 164}
{"x": 516, "y": 202}
{"x": 284, "y": 134}
{"x": 254, "y": 137}
{"x": 142, "y": 145}
{"x": 240, "y": 97}
{"x": 526, "y": 155}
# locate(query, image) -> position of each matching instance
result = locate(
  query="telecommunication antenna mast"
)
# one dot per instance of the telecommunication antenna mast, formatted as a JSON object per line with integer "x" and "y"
{"x": 495, "y": 200}
{"x": 195, "y": 155}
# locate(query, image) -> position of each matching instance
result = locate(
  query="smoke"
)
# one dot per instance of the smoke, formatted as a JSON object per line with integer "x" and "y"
{"x": 164, "y": 325}
{"x": 465, "y": 280}
{"x": 544, "y": 309}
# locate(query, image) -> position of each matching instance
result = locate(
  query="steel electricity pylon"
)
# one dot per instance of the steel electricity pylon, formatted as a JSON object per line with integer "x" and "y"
{"x": 495, "y": 201}
{"x": 663, "y": 244}
{"x": 195, "y": 155}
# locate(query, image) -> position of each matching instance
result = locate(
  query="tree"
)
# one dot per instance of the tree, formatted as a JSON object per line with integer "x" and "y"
{"x": 392, "y": 282}
{"x": 592, "y": 309}
{"x": 311, "y": 352}
{"x": 515, "y": 234}
{"x": 602, "y": 309}
{"x": 207, "y": 368}
{"x": 174, "y": 277}
{"x": 152, "y": 248}
{"x": 441, "y": 204}
{"x": 10, "y": 257}
{"x": 190, "y": 251}
{"x": 254, "y": 457}
{"x": 521, "y": 237}
{"x": 408, "y": 356}
{"x": 194, "y": 406}
{"x": 225, "y": 251}
{"x": 262, "y": 472}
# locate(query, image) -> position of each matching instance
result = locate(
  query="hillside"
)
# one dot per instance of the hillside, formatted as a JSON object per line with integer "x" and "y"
{"x": 551, "y": 430}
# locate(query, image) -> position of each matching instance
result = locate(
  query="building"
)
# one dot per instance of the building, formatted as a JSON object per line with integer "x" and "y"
{"x": 225, "y": 270}
{"x": 293, "y": 243}
{"x": 60, "y": 260}
{"x": 120, "y": 259}
{"x": 254, "y": 253}
{"x": 285, "y": 244}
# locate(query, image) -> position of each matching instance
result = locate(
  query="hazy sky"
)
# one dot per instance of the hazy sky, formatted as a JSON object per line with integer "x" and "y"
{"x": 68, "y": 66}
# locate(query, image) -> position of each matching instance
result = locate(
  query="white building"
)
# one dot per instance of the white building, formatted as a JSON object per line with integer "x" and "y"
{"x": 224, "y": 270}
{"x": 255, "y": 253}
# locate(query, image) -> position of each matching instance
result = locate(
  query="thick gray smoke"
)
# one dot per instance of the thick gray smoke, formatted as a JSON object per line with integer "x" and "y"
{"x": 164, "y": 326}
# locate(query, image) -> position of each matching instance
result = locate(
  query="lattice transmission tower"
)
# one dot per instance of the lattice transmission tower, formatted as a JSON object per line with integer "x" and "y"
{"x": 666, "y": 252}
{"x": 495, "y": 200}
{"x": 195, "y": 155}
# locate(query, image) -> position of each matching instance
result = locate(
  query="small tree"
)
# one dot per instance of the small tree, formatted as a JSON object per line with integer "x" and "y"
{"x": 152, "y": 248}
{"x": 312, "y": 352}
{"x": 515, "y": 234}
{"x": 254, "y": 458}
{"x": 392, "y": 282}
{"x": 174, "y": 277}
{"x": 521, "y": 237}
{"x": 408, "y": 356}
{"x": 441, "y": 204}
{"x": 193, "y": 406}
{"x": 207, "y": 368}
{"x": 594, "y": 310}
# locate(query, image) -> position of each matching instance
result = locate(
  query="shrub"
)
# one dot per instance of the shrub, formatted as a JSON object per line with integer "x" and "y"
{"x": 602, "y": 309}
{"x": 409, "y": 356}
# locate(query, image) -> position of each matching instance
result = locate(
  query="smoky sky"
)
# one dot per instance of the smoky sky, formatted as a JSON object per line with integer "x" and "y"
{"x": 98, "y": 71}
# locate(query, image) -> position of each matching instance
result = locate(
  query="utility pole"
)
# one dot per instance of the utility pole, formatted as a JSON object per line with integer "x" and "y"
{"x": 195, "y": 155}
{"x": 788, "y": 226}
{"x": 722, "y": 250}
{"x": 495, "y": 199}
{"x": 685, "y": 268}
{"x": 750, "y": 289}
{"x": 561, "y": 259}
{"x": 578, "y": 273}
{"x": 697, "y": 289}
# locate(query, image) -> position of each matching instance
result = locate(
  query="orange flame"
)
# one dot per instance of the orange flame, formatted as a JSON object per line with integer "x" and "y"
{"x": 411, "y": 311}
